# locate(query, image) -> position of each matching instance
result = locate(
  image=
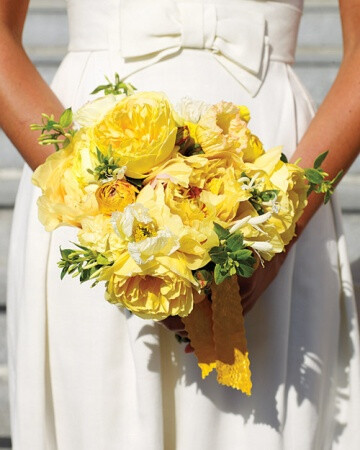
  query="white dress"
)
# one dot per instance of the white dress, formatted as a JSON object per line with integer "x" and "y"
{"x": 84, "y": 375}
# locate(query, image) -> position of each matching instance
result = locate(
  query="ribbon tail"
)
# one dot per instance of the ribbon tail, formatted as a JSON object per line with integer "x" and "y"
{"x": 198, "y": 324}
{"x": 232, "y": 364}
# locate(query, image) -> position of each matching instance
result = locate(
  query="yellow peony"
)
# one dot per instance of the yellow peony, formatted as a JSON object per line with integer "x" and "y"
{"x": 67, "y": 196}
{"x": 97, "y": 233}
{"x": 268, "y": 172}
{"x": 141, "y": 130}
{"x": 155, "y": 291}
{"x": 151, "y": 230}
{"x": 203, "y": 188}
{"x": 115, "y": 195}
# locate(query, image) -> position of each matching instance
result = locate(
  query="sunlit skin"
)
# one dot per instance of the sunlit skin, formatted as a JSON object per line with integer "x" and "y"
{"x": 24, "y": 95}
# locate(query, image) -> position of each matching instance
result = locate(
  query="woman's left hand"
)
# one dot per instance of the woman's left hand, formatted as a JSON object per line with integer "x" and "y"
{"x": 252, "y": 288}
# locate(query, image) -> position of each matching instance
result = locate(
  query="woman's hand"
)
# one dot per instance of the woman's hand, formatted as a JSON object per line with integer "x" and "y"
{"x": 175, "y": 324}
{"x": 251, "y": 288}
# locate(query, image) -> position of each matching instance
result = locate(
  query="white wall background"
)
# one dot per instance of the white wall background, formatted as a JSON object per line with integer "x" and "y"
{"x": 318, "y": 58}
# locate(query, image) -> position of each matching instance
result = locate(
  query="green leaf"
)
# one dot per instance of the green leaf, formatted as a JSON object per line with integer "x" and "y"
{"x": 219, "y": 274}
{"x": 218, "y": 255}
{"x": 327, "y": 197}
{"x": 245, "y": 270}
{"x": 241, "y": 255}
{"x": 63, "y": 272}
{"x": 235, "y": 242}
{"x": 137, "y": 182}
{"x": 101, "y": 259}
{"x": 99, "y": 155}
{"x": 221, "y": 232}
{"x": 85, "y": 275}
{"x": 102, "y": 87}
{"x": 50, "y": 125}
{"x": 268, "y": 195}
{"x": 66, "y": 118}
{"x": 65, "y": 142}
{"x": 65, "y": 252}
{"x": 204, "y": 277}
{"x": 319, "y": 160}
{"x": 283, "y": 158}
{"x": 337, "y": 177}
{"x": 314, "y": 176}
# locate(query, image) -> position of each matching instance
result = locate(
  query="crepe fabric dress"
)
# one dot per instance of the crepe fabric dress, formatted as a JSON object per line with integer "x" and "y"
{"x": 85, "y": 375}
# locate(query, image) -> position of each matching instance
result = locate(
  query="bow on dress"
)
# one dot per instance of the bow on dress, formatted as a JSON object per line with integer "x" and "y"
{"x": 234, "y": 34}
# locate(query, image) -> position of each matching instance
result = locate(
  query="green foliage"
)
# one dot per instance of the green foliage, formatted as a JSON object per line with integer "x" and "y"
{"x": 57, "y": 133}
{"x": 258, "y": 198}
{"x": 116, "y": 88}
{"x": 283, "y": 158}
{"x": 231, "y": 257}
{"x": 186, "y": 143}
{"x": 85, "y": 263}
{"x": 204, "y": 277}
{"x": 320, "y": 159}
{"x": 137, "y": 182}
{"x": 222, "y": 233}
{"x": 108, "y": 166}
{"x": 317, "y": 178}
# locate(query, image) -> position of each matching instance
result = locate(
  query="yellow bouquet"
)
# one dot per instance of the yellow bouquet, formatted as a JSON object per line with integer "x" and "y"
{"x": 172, "y": 206}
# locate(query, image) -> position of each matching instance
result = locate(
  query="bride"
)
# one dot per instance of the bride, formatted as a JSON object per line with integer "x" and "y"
{"x": 84, "y": 375}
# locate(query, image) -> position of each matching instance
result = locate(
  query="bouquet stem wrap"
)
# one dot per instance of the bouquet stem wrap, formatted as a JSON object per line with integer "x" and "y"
{"x": 217, "y": 333}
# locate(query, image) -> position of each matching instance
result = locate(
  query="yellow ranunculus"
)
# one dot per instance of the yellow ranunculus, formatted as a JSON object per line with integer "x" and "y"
{"x": 115, "y": 195}
{"x": 161, "y": 288}
{"x": 67, "y": 197}
{"x": 141, "y": 130}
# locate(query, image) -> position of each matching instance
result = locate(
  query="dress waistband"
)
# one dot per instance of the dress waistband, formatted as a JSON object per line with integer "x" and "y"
{"x": 243, "y": 35}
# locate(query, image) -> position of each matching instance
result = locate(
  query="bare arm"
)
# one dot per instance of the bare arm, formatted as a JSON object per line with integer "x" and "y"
{"x": 335, "y": 127}
{"x": 24, "y": 95}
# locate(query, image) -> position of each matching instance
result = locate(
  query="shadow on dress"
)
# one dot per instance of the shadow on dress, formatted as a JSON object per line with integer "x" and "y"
{"x": 267, "y": 409}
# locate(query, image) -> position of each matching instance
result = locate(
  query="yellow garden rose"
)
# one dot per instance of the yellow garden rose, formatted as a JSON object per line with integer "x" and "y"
{"x": 115, "y": 195}
{"x": 141, "y": 130}
{"x": 161, "y": 288}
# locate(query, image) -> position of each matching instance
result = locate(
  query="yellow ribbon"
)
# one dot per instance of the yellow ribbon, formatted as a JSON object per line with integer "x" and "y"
{"x": 217, "y": 333}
